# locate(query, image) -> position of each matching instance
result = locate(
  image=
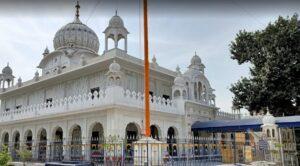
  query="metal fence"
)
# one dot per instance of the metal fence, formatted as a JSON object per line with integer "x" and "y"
{"x": 196, "y": 151}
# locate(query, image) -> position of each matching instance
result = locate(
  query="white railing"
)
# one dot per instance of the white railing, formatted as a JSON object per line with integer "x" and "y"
{"x": 110, "y": 96}
{"x": 226, "y": 116}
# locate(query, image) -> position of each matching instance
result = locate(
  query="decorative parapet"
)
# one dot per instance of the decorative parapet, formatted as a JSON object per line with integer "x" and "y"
{"x": 220, "y": 115}
{"x": 113, "y": 95}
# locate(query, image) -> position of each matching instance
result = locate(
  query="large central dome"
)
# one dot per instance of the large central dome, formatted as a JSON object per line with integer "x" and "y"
{"x": 76, "y": 34}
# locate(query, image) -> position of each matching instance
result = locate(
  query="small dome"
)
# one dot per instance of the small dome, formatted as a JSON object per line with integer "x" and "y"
{"x": 7, "y": 70}
{"x": 268, "y": 119}
{"x": 116, "y": 22}
{"x": 114, "y": 67}
{"x": 196, "y": 60}
{"x": 179, "y": 81}
{"x": 76, "y": 34}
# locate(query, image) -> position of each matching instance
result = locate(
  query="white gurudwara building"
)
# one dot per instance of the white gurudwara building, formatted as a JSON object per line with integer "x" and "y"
{"x": 83, "y": 96}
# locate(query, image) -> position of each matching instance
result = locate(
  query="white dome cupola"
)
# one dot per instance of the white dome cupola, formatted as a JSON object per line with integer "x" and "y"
{"x": 116, "y": 22}
{"x": 198, "y": 86}
{"x": 179, "y": 80}
{"x": 179, "y": 89}
{"x": 196, "y": 63}
{"x": 76, "y": 35}
{"x": 6, "y": 77}
{"x": 269, "y": 126}
{"x": 268, "y": 119}
{"x": 116, "y": 31}
{"x": 7, "y": 70}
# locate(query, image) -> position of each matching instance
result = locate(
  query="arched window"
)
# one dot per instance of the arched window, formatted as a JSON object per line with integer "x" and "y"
{"x": 42, "y": 145}
{"x": 16, "y": 145}
{"x": 199, "y": 91}
{"x": 155, "y": 132}
{"x": 132, "y": 132}
{"x": 171, "y": 140}
{"x": 5, "y": 139}
{"x": 76, "y": 143}
{"x": 28, "y": 139}
{"x": 273, "y": 133}
{"x": 176, "y": 94}
{"x": 57, "y": 145}
{"x": 97, "y": 140}
{"x": 268, "y": 133}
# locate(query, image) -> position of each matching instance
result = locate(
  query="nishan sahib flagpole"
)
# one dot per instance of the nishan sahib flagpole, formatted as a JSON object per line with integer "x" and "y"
{"x": 146, "y": 70}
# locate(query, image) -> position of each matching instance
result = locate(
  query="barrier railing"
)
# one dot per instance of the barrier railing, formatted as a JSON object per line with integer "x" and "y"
{"x": 109, "y": 96}
{"x": 195, "y": 151}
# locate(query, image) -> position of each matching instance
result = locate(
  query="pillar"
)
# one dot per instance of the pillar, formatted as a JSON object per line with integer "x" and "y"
{"x": 66, "y": 152}
{"x": 125, "y": 44}
{"x": 9, "y": 146}
{"x": 116, "y": 41}
{"x": 34, "y": 149}
{"x": 48, "y": 150}
{"x": 86, "y": 149}
{"x": 106, "y": 43}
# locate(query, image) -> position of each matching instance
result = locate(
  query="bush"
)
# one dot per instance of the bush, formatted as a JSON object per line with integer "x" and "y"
{"x": 25, "y": 155}
{"x": 4, "y": 156}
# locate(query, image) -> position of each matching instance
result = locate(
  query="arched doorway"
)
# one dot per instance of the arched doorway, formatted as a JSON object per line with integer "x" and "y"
{"x": 132, "y": 135}
{"x": 171, "y": 140}
{"x": 132, "y": 132}
{"x": 57, "y": 144}
{"x": 28, "y": 139}
{"x": 155, "y": 133}
{"x": 76, "y": 143}
{"x": 16, "y": 145}
{"x": 42, "y": 144}
{"x": 5, "y": 139}
{"x": 97, "y": 140}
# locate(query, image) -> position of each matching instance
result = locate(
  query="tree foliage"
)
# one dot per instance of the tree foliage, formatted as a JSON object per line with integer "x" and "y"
{"x": 274, "y": 55}
{"x": 4, "y": 156}
{"x": 25, "y": 155}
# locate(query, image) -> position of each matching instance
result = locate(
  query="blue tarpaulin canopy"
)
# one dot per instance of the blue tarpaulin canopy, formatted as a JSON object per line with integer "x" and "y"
{"x": 288, "y": 121}
{"x": 240, "y": 125}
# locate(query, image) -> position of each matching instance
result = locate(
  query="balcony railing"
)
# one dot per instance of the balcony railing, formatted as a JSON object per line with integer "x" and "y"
{"x": 111, "y": 96}
{"x": 226, "y": 116}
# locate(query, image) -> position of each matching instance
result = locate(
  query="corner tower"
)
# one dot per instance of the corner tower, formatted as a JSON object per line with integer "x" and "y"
{"x": 116, "y": 31}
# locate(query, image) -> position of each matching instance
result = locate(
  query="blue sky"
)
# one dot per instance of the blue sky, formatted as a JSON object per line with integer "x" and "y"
{"x": 175, "y": 33}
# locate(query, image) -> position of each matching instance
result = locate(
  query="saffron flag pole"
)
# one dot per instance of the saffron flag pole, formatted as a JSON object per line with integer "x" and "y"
{"x": 146, "y": 70}
{"x": 147, "y": 151}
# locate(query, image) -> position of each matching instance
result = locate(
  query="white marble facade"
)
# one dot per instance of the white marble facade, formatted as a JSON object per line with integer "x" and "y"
{"x": 79, "y": 88}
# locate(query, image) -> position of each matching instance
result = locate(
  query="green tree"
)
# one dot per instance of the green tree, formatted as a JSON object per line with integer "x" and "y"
{"x": 25, "y": 155}
{"x": 4, "y": 156}
{"x": 274, "y": 55}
